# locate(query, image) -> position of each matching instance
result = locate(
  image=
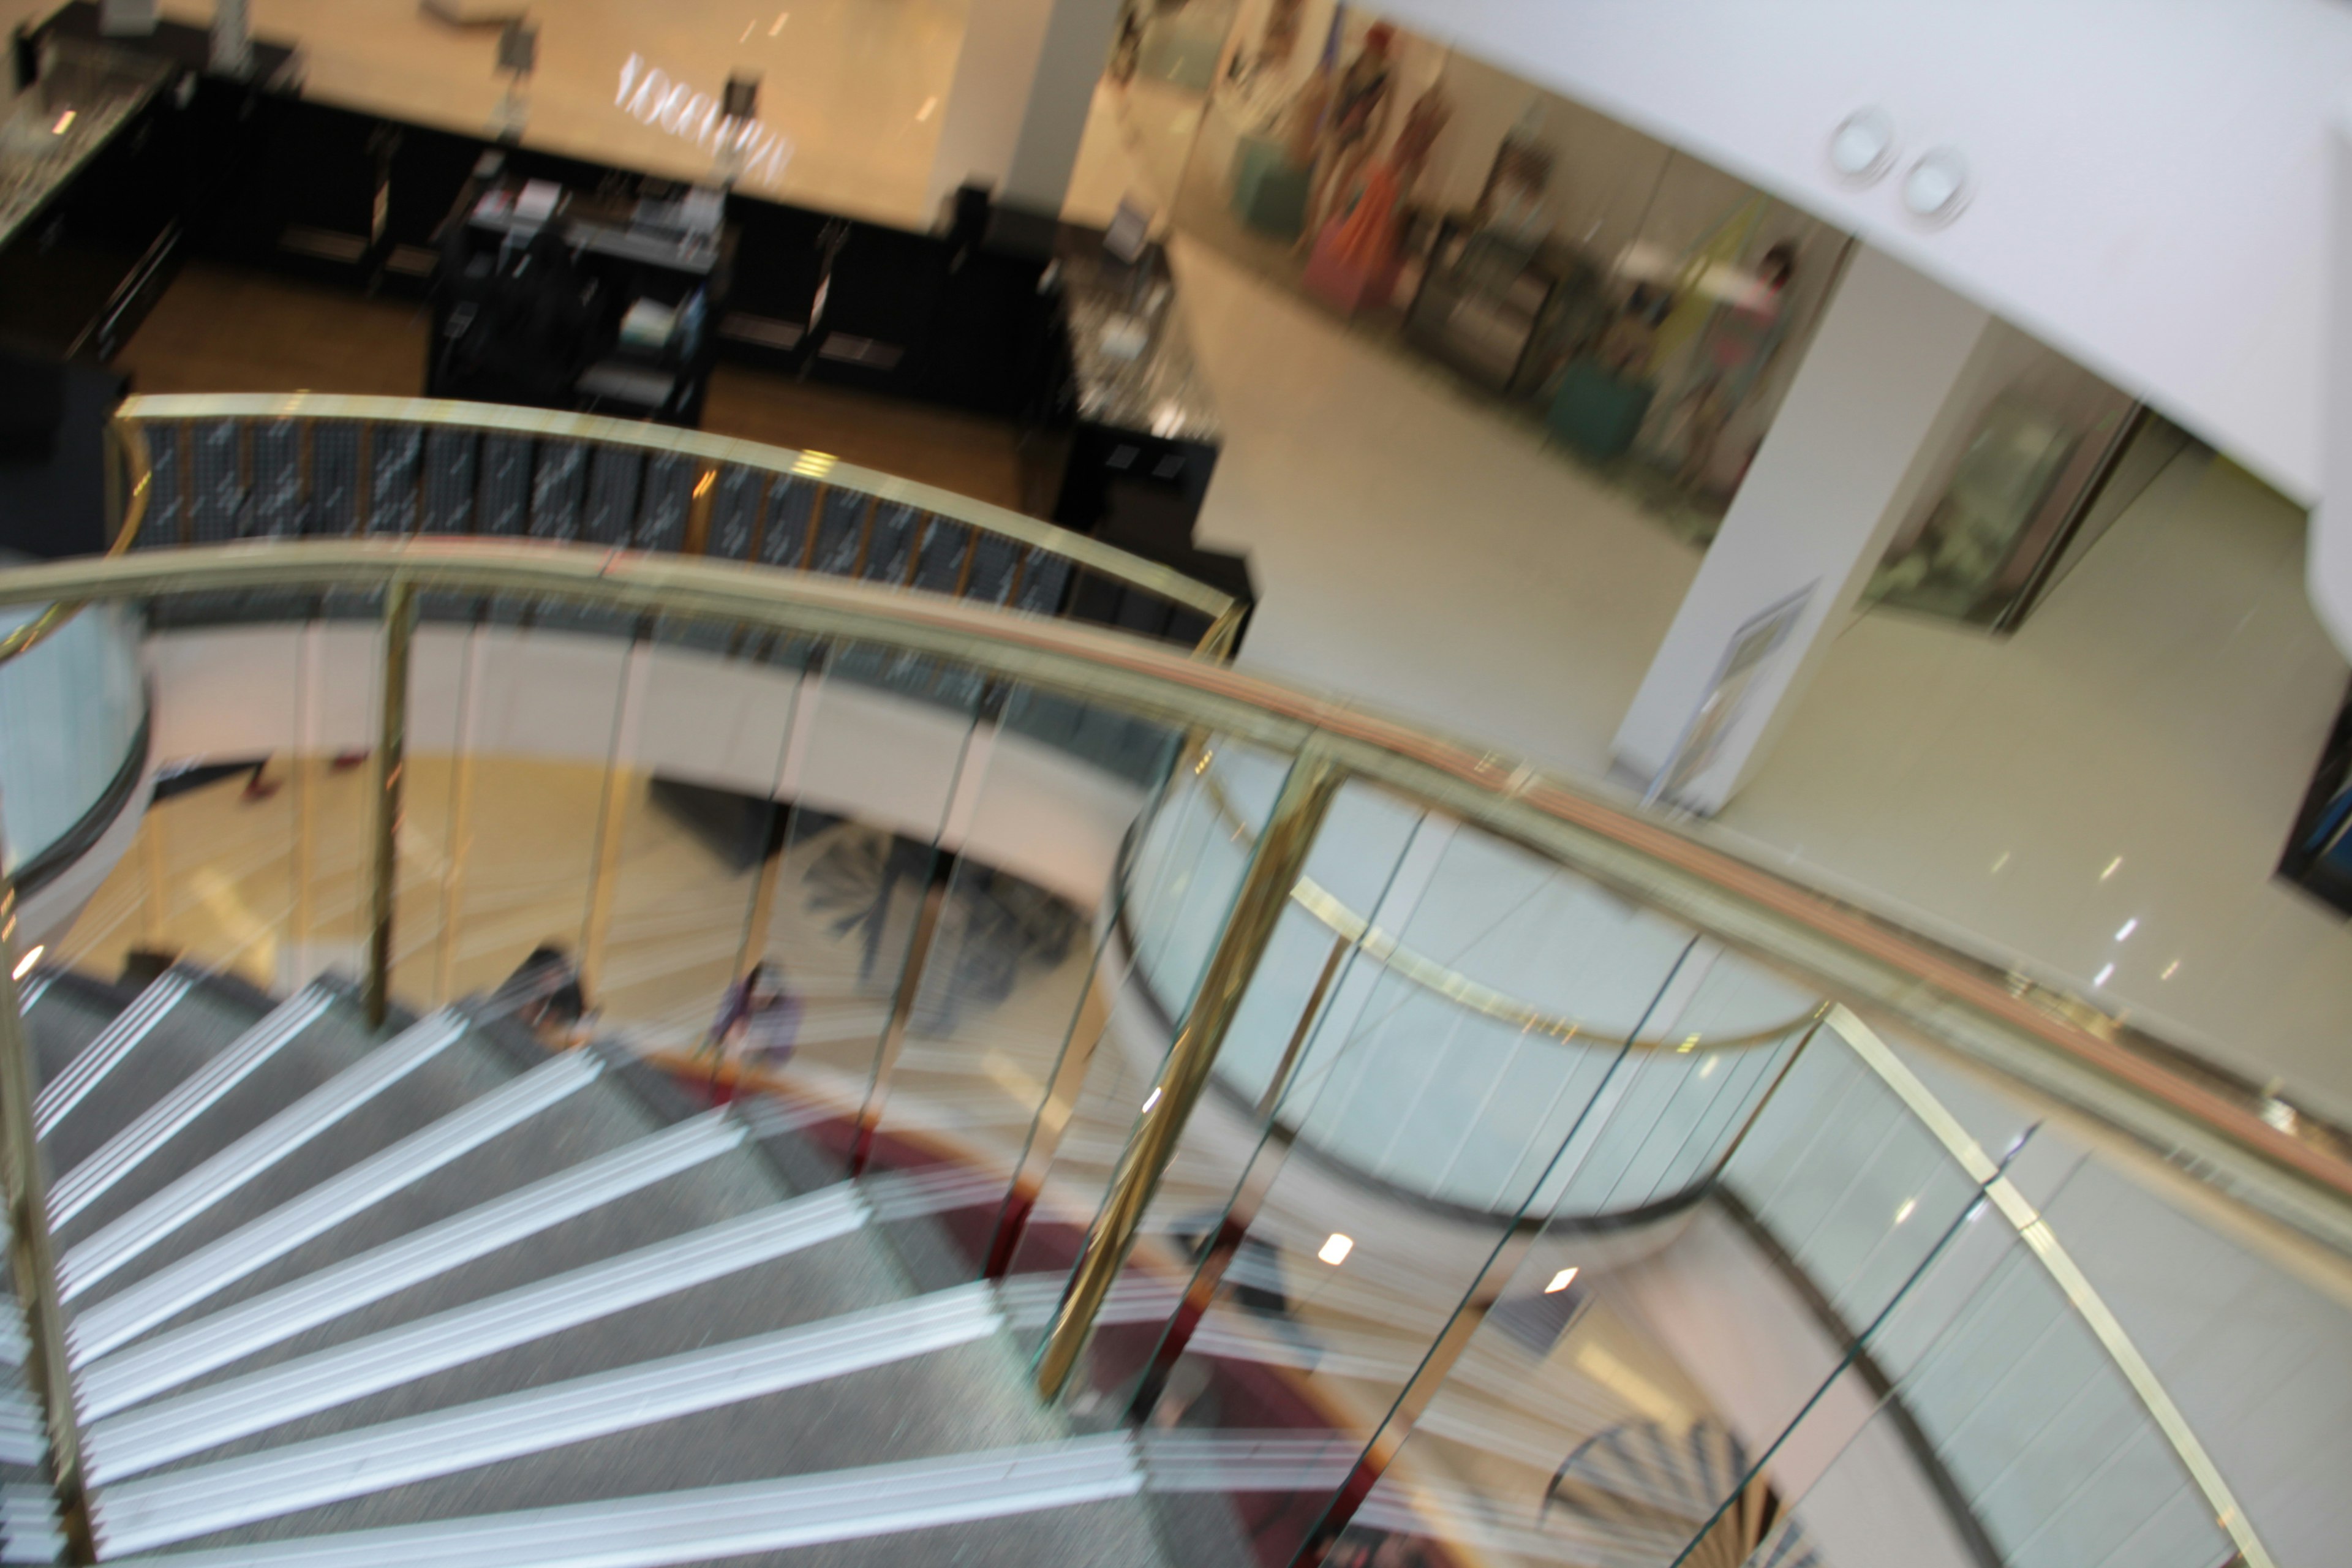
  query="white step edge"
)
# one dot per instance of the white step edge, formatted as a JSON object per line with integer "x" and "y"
{"x": 172, "y": 1290}
{"x": 28, "y": 1521}
{"x": 120, "y": 1241}
{"x": 174, "y": 1428}
{"x": 187, "y": 1503}
{"x": 105, "y": 1053}
{"x": 31, "y": 992}
{"x": 169, "y": 1360}
{"x": 722, "y": 1522}
{"x": 1254, "y": 1460}
{"x": 156, "y": 1126}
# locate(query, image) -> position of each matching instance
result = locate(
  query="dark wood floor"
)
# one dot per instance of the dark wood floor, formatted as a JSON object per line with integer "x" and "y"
{"x": 219, "y": 329}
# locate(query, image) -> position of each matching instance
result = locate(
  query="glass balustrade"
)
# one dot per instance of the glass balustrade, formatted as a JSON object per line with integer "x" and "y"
{"x": 1426, "y": 1169}
{"x": 79, "y": 691}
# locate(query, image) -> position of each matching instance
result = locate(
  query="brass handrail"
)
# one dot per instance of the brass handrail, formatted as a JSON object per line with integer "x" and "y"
{"x": 1222, "y": 609}
{"x": 123, "y": 443}
{"x": 1742, "y": 905}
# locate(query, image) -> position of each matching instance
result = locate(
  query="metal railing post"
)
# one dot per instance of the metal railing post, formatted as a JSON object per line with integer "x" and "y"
{"x": 391, "y": 747}
{"x": 1265, "y": 893}
{"x": 31, "y": 1257}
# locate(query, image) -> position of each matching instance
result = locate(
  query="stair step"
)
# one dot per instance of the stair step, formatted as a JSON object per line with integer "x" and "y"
{"x": 148, "y": 1133}
{"x": 162, "y": 1510}
{"x": 105, "y": 1053}
{"x": 714, "y": 1522}
{"x": 141, "y": 1440}
{"x": 179, "y": 1356}
{"x": 65, "y": 1013}
{"x": 114, "y": 1248}
{"x": 163, "y": 1295}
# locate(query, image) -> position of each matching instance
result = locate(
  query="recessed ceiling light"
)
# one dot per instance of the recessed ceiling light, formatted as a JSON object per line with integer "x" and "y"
{"x": 1861, "y": 149}
{"x": 1336, "y": 1249}
{"x": 1937, "y": 188}
{"x": 1560, "y": 1281}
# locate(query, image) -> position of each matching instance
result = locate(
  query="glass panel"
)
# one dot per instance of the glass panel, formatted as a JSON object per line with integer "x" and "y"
{"x": 539, "y": 714}
{"x": 699, "y": 749}
{"x": 1035, "y": 834}
{"x": 870, "y": 772}
{"x": 1188, "y": 863}
{"x": 81, "y": 691}
{"x": 1335, "y": 1271}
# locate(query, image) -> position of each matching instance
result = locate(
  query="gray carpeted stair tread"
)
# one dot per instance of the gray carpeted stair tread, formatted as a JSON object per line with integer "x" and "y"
{"x": 449, "y": 1081}
{"x": 716, "y": 1189}
{"x": 828, "y": 1280}
{"x": 69, "y": 1015}
{"x": 329, "y": 1044}
{"x": 571, "y": 1133}
{"x": 966, "y": 1399}
{"x": 195, "y": 1031}
{"x": 1113, "y": 1535}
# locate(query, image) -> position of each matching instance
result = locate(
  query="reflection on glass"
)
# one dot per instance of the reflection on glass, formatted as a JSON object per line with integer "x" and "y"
{"x": 1647, "y": 310}
{"x": 998, "y": 1022}
{"x": 2015, "y": 488}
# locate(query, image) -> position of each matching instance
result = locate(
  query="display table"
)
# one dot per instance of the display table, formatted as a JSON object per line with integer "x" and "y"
{"x": 559, "y": 299}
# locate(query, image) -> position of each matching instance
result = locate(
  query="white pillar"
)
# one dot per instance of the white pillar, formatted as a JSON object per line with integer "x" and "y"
{"x": 1889, "y": 374}
{"x": 2328, "y": 579}
{"x": 1024, "y": 82}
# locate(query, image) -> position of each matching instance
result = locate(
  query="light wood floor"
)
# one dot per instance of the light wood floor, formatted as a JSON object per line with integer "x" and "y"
{"x": 223, "y": 329}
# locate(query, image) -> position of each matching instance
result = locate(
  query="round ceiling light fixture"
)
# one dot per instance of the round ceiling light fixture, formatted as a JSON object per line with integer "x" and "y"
{"x": 1937, "y": 188}
{"x": 1861, "y": 149}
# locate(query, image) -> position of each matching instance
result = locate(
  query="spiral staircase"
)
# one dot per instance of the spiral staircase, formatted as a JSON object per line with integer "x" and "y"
{"x": 434, "y": 1295}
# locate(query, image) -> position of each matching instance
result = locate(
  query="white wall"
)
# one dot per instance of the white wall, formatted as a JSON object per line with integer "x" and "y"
{"x": 250, "y": 691}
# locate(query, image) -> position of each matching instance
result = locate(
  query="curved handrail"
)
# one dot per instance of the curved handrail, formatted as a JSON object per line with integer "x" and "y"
{"x": 132, "y": 448}
{"x": 1223, "y": 610}
{"x": 1745, "y": 906}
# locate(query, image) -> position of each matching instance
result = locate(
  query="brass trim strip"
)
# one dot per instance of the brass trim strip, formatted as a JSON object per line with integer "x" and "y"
{"x": 392, "y": 742}
{"x": 548, "y": 424}
{"x": 1281, "y": 851}
{"x": 2064, "y": 1273}
{"x": 1456, "y": 987}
